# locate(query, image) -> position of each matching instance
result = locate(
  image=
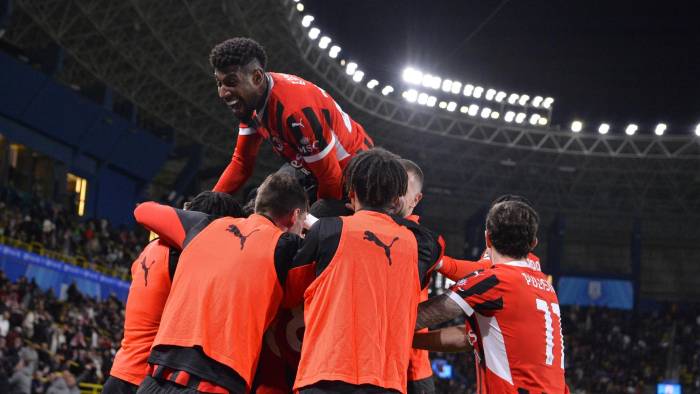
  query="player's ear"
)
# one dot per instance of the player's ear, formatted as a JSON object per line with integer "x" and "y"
{"x": 419, "y": 197}
{"x": 258, "y": 76}
{"x": 488, "y": 239}
{"x": 533, "y": 244}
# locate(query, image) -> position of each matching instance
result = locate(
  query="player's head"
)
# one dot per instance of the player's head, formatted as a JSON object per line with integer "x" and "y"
{"x": 511, "y": 229}
{"x": 281, "y": 198}
{"x": 215, "y": 204}
{"x": 239, "y": 70}
{"x": 375, "y": 179}
{"x": 414, "y": 191}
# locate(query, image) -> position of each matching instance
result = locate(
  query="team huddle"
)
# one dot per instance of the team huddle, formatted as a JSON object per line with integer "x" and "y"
{"x": 320, "y": 284}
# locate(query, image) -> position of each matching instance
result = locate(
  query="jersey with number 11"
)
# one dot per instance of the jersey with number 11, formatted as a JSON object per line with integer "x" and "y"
{"x": 516, "y": 329}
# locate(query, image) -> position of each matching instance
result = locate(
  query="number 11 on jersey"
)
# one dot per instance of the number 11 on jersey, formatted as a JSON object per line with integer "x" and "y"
{"x": 543, "y": 306}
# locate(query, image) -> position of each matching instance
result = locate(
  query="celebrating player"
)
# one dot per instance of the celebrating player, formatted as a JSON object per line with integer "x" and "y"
{"x": 304, "y": 124}
{"x": 512, "y": 309}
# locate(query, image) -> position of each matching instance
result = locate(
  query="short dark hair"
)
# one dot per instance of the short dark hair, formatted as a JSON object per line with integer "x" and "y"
{"x": 512, "y": 227}
{"x": 237, "y": 51}
{"x": 279, "y": 195}
{"x": 411, "y": 166}
{"x": 376, "y": 177}
{"x": 216, "y": 204}
{"x": 512, "y": 197}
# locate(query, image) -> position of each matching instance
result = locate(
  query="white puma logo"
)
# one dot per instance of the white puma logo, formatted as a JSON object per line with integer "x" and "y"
{"x": 298, "y": 124}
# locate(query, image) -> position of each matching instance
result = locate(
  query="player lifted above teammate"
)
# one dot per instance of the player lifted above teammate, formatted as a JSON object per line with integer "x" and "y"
{"x": 304, "y": 124}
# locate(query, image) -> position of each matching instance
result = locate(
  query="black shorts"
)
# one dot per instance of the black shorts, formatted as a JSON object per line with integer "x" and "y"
{"x": 337, "y": 387}
{"x": 115, "y": 385}
{"x": 151, "y": 385}
{"x": 422, "y": 386}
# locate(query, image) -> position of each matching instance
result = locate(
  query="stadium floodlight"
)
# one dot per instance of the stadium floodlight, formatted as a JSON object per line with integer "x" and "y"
{"x": 323, "y": 42}
{"x": 427, "y": 80}
{"x": 547, "y": 103}
{"x": 300, "y": 7}
{"x": 372, "y": 83}
{"x": 660, "y": 128}
{"x": 435, "y": 83}
{"x": 543, "y": 121}
{"x": 351, "y": 68}
{"x": 423, "y": 98}
{"x": 604, "y": 128}
{"x": 520, "y": 117}
{"x": 307, "y": 20}
{"x": 387, "y": 90}
{"x": 451, "y": 106}
{"x": 314, "y": 33}
{"x": 576, "y": 126}
{"x": 464, "y": 109}
{"x": 447, "y": 85}
{"x": 478, "y": 91}
{"x": 468, "y": 89}
{"x": 443, "y": 104}
{"x": 334, "y": 51}
{"x": 510, "y": 115}
{"x": 431, "y": 101}
{"x": 631, "y": 129}
{"x": 485, "y": 112}
{"x": 523, "y": 99}
{"x": 456, "y": 87}
{"x": 358, "y": 75}
{"x": 490, "y": 94}
{"x": 411, "y": 95}
{"x": 697, "y": 130}
{"x": 495, "y": 115}
{"x": 534, "y": 118}
{"x": 473, "y": 110}
{"x": 513, "y": 98}
{"x": 500, "y": 96}
{"x": 537, "y": 101}
{"x": 413, "y": 76}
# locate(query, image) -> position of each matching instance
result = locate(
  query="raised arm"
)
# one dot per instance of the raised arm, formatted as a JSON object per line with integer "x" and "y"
{"x": 242, "y": 162}
{"x": 456, "y": 269}
{"x": 174, "y": 226}
{"x": 447, "y": 340}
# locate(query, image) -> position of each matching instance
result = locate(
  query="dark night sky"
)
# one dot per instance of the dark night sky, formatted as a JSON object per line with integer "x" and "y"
{"x": 602, "y": 60}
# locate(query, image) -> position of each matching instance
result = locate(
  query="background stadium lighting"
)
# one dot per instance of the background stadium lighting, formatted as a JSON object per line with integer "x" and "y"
{"x": 490, "y": 94}
{"x": 427, "y": 80}
{"x": 604, "y": 128}
{"x": 468, "y": 89}
{"x": 464, "y": 109}
{"x": 456, "y": 87}
{"x": 306, "y": 20}
{"x": 697, "y": 130}
{"x": 411, "y": 95}
{"x": 436, "y": 83}
{"x": 537, "y": 101}
{"x": 443, "y": 104}
{"x": 335, "y": 50}
{"x": 387, "y": 90}
{"x": 576, "y": 126}
{"x": 485, "y": 112}
{"x": 478, "y": 91}
{"x": 300, "y": 7}
{"x": 357, "y": 77}
{"x": 523, "y": 99}
{"x": 543, "y": 121}
{"x": 510, "y": 115}
{"x": 495, "y": 115}
{"x": 451, "y": 106}
{"x": 423, "y": 98}
{"x": 351, "y": 68}
{"x": 534, "y": 118}
{"x": 323, "y": 42}
{"x": 547, "y": 103}
{"x": 447, "y": 85}
{"x": 660, "y": 128}
{"x": 473, "y": 110}
{"x": 411, "y": 75}
{"x": 372, "y": 83}
{"x": 500, "y": 96}
{"x": 512, "y": 98}
{"x": 520, "y": 117}
{"x": 431, "y": 101}
{"x": 631, "y": 129}
{"x": 314, "y": 33}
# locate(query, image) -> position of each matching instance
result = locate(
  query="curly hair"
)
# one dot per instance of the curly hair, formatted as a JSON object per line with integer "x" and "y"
{"x": 512, "y": 226}
{"x": 237, "y": 51}
{"x": 216, "y": 204}
{"x": 377, "y": 177}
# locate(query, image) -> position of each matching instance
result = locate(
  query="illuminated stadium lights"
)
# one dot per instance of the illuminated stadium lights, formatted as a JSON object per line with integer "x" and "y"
{"x": 473, "y": 110}
{"x": 537, "y": 101}
{"x": 443, "y": 104}
{"x": 387, "y": 90}
{"x": 357, "y": 77}
{"x": 495, "y": 115}
{"x": 411, "y": 95}
{"x": 697, "y": 130}
{"x": 576, "y": 126}
{"x": 372, "y": 83}
{"x": 604, "y": 128}
{"x": 351, "y": 68}
{"x": 660, "y": 128}
{"x": 534, "y": 118}
{"x": 500, "y": 96}
{"x": 436, "y": 83}
{"x": 631, "y": 129}
{"x": 512, "y": 98}
{"x": 447, "y": 85}
{"x": 490, "y": 94}
{"x": 478, "y": 91}
{"x": 314, "y": 33}
{"x": 468, "y": 89}
{"x": 464, "y": 109}
{"x": 510, "y": 115}
{"x": 335, "y": 50}
{"x": 431, "y": 101}
{"x": 523, "y": 99}
{"x": 423, "y": 98}
{"x": 411, "y": 75}
{"x": 543, "y": 121}
{"x": 520, "y": 117}
{"x": 456, "y": 87}
{"x": 300, "y": 7}
{"x": 547, "y": 103}
{"x": 427, "y": 80}
{"x": 306, "y": 20}
{"x": 485, "y": 112}
{"x": 451, "y": 106}
{"x": 323, "y": 42}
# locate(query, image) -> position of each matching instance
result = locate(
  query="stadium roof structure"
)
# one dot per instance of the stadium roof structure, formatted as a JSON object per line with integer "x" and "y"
{"x": 154, "y": 54}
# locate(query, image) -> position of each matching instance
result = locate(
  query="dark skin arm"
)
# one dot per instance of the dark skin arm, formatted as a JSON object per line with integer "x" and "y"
{"x": 437, "y": 310}
{"x": 446, "y": 340}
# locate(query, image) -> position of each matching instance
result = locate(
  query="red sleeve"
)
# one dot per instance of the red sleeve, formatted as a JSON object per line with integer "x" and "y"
{"x": 242, "y": 162}
{"x": 481, "y": 291}
{"x": 298, "y": 279}
{"x": 162, "y": 220}
{"x": 455, "y": 269}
